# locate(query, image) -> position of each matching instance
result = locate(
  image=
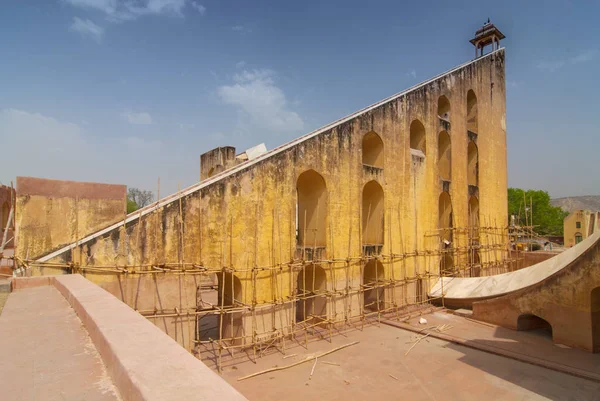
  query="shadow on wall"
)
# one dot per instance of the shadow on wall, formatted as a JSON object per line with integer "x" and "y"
{"x": 311, "y": 213}
{"x": 372, "y": 214}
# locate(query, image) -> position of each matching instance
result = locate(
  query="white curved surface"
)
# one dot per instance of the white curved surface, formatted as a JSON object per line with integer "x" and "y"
{"x": 501, "y": 284}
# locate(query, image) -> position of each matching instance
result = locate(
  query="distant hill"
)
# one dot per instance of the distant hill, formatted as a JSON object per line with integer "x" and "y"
{"x": 589, "y": 202}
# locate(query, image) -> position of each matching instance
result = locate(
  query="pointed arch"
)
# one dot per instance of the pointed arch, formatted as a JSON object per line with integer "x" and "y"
{"x": 417, "y": 136}
{"x": 472, "y": 117}
{"x": 372, "y": 150}
{"x": 443, "y": 110}
{"x": 372, "y": 214}
{"x": 444, "y": 156}
{"x": 311, "y": 217}
{"x": 472, "y": 164}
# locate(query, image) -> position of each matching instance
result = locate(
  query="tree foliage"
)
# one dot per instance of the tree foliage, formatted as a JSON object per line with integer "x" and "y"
{"x": 547, "y": 219}
{"x": 138, "y": 198}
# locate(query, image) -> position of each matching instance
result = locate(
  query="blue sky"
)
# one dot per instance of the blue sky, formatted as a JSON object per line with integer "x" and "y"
{"x": 125, "y": 91}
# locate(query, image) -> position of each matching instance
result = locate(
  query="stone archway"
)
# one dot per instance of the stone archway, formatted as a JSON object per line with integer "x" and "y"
{"x": 531, "y": 322}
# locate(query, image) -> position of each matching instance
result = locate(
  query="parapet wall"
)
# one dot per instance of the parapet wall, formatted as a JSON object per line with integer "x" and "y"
{"x": 144, "y": 363}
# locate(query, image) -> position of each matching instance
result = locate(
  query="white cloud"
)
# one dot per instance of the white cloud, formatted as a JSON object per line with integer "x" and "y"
{"x": 585, "y": 56}
{"x": 260, "y": 101}
{"x": 199, "y": 7}
{"x": 106, "y": 6}
{"x": 240, "y": 64}
{"x": 241, "y": 28}
{"x": 42, "y": 146}
{"x": 87, "y": 28}
{"x": 412, "y": 73}
{"x": 127, "y": 10}
{"x": 556, "y": 65}
{"x": 551, "y": 65}
{"x": 142, "y": 118}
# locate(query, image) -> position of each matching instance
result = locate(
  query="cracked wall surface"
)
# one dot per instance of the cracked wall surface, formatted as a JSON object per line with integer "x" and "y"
{"x": 246, "y": 219}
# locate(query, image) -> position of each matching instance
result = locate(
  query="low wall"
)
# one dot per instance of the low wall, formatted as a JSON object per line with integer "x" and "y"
{"x": 526, "y": 259}
{"x": 143, "y": 362}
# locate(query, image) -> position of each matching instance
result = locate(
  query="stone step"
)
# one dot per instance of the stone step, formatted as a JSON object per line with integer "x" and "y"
{"x": 464, "y": 312}
{"x": 4, "y": 286}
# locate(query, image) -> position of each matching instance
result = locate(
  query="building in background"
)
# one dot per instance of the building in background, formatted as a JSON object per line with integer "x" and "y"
{"x": 579, "y": 225}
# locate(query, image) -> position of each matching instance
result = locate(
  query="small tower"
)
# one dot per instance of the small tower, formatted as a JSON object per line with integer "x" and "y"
{"x": 487, "y": 34}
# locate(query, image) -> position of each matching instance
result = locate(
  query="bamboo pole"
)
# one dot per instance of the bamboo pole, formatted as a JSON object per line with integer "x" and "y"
{"x": 307, "y": 359}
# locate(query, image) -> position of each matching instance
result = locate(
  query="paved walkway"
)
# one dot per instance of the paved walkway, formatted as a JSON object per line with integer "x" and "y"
{"x": 46, "y": 353}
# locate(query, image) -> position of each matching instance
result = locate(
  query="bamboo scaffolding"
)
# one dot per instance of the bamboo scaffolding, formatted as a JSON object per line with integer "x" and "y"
{"x": 344, "y": 276}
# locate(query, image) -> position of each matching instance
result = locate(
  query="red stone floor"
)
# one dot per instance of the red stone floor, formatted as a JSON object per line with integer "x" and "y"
{"x": 537, "y": 343}
{"x": 432, "y": 370}
{"x": 46, "y": 353}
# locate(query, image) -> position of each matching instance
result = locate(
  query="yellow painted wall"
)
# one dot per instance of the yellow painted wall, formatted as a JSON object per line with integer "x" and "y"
{"x": 247, "y": 219}
{"x": 54, "y": 213}
{"x": 584, "y": 218}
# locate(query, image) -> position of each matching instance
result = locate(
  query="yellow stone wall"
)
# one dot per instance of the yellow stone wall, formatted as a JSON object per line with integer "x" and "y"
{"x": 247, "y": 219}
{"x": 588, "y": 225}
{"x": 54, "y": 213}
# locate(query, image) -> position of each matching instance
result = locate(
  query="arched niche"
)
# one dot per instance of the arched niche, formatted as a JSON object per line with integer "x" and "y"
{"x": 472, "y": 112}
{"x": 444, "y": 156}
{"x": 443, "y": 109}
{"x": 417, "y": 137}
{"x": 529, "y": 321}
{"x": 372, "y": 150}
{"x": 311, "y": 210}
{"x": 311, "y": 290}
{"x": 372, "y": 214}
{"x": 374, "y": 292}
{"x": 445, "y": 217}
{"x": 472, "y": 164}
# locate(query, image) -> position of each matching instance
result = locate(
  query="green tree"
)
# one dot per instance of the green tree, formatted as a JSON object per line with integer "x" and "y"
{"x": 138, "y": 198}
{"x": 547, "y": 219}
{"x": 131, "y": 206}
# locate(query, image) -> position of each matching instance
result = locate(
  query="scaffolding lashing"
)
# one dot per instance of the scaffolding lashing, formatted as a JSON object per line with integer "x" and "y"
{"x": 367, "y": 287}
